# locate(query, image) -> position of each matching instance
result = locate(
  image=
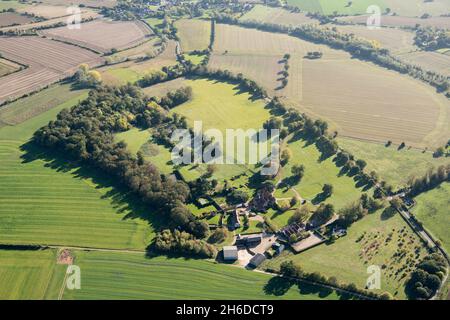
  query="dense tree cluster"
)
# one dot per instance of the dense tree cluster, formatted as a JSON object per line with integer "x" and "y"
{"x": 358, "y": 210}
{"x": 432, "y": 38}
{"x": 427, "y": 278}
{"x": 183, "y": 243}
{"x": 85, "y": 133}
{"x": 430, "y": 180}
{"x": 85, "y": 78}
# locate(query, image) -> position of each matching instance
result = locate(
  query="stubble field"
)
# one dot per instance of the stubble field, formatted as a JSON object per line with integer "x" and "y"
{"x": 359, "y": 99}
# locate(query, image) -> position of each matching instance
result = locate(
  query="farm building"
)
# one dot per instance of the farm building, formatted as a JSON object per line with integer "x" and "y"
{"x": 256, "y": 260}
{"x": 230, "y": 253}
{"x": 278, "y": 247}
{"x": 248, "y": 241}
{"x": 234, "y": 222}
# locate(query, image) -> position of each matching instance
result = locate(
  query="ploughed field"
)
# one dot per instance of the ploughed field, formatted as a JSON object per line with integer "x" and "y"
{"x": 276, "y": 16}
{"x": 47, "y": 61}
{"x": 12, "y": 18}
{"x": 359, "y": 99}
{"x": 85, "y": 14}
{"x": 102, "y": 35}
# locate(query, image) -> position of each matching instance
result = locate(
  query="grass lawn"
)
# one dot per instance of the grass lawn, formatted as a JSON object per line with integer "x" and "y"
{"x": 155, "y": 22}
{"x": 131, "y": 276}
{"x": 125, "y": 75}
{"x": 433, "y": 210}
{"x": 317, "y": 173}
{"x": 45, "y": 201}
{"x": 5, "y": 5}
{"x": 254, "y": 227}
{"x": 135, "y": 138}
{"x": 194, "y": 58}
{"x": 26, "y": 275}
{"x": 341, "y": 6}
{"x": 220, "y": 106}
{"x": 393, "y": 165}
{"x": 365, "y": 244}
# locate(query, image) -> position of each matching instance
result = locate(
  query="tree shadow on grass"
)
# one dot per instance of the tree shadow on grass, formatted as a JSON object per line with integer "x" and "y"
{"x": 306, "y": 288}
{"x": 123, "y": 201}
{"x": 278, "y": 286}
{"x": 388, "y": 213}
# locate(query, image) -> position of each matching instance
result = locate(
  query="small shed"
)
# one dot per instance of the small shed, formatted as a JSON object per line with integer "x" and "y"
{"x": 256, "y": 260}
{"x": 230, "y": 253}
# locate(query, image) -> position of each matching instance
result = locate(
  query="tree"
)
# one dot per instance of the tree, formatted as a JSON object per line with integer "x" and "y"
{"x": 327, "y": 190}
{"x": 323, "y": 214}
{"x": 218, "y": 236}
{"x": 298, "y": 171}
{"x": 396, "y": 203}
{"x": 293, "y": 238}
{"x": 293, "y": 201}
{"x": 286, "y": 155}
{"x": 300, "y": 215}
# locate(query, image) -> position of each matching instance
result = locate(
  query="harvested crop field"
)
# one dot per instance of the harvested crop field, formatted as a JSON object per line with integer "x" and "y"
{"x": 396, "y": 40}
{"x": 194, "y": 34}
{"x": 140, "y": 52}
{"x": 49, "y": 11}
{"x": 276, "y": 16}
{"x": 358, "y": 98}
{"x": 88, "y": 3}
{"x": 12, "y": 18}
{"x": 131, "y": 71}
{"x": 432, "y": 61}
{"x": 7, "y": 67}
{"x": 48, "y": 61}
{"x": 102, "y": 35}
{"x": 398, "y": 21}
{"x": 47, "y": 23}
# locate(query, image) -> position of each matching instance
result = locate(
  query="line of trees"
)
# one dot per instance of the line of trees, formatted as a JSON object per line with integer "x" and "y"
{"x": 429, "y": 181}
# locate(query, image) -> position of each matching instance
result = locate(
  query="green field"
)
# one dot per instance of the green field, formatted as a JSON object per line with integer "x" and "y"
{"x": 134, "y": 138}
{"x": 26, "y": 275}
{"x": 11, "y": 4}
{"x": 347, "y": 259}
{"x": 131, "y": 276}
{"x": 7, "y": 67}
{"x": 317, "y": 173}
{"x": 340, "y": 6}
{"x": 432, "y": 209}
{"x": 27, "y": 108}
{"x": 46, "y": 201}
{"x": 393, "y": 165}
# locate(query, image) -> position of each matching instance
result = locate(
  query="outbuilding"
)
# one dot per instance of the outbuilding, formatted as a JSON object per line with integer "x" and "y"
{"x": 230, "y": 253}
{"x": 256, "y": 260}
